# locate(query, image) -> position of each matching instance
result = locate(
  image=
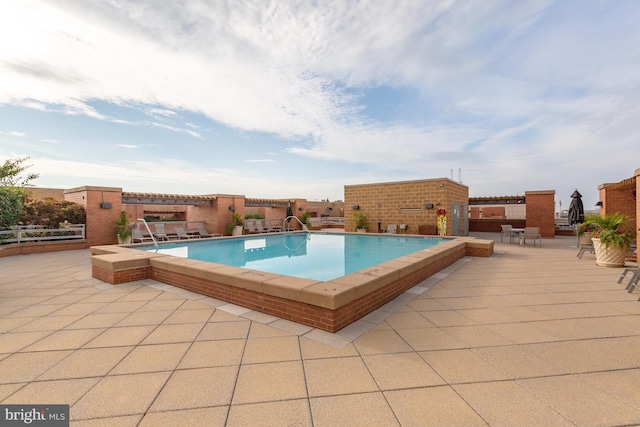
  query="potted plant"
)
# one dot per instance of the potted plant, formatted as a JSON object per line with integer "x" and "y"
{"x": 123, "y": 228}
{"x": 585, "y": 229}
{"x": 360, "y": 220}
{"x": 305, "y": 218}
{"x": 236, "y": 226}
{"x": 612, "y": 236}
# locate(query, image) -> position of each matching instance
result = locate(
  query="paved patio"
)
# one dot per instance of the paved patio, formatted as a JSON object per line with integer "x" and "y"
{"x": 530, "y": 336}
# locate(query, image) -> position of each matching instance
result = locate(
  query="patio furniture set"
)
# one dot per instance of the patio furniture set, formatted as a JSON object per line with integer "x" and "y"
{"x": 522, "y": 234}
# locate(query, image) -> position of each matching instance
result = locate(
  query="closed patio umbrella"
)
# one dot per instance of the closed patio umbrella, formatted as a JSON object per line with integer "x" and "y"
{"x": 576, "y": 210}
{"x": 289, "y": 211}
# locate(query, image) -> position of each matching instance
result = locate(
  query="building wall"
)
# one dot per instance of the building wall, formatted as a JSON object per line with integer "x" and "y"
{"x": 99, "y": 228}
{"x": 541, "y": 211}
{"x": 43, "y": 193}
{"x": 404, "y": 202}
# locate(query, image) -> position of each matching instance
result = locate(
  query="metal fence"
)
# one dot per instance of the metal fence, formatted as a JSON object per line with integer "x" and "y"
{"x": 37, "y": 233}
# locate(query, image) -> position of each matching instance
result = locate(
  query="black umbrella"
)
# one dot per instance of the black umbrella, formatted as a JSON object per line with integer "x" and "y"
{"x": 576, "y": 210}
{"x": 289, "y": 211}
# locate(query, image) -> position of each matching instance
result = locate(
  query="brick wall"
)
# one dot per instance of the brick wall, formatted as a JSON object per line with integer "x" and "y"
{"x": 100, "y": 229}
{"x": 541, "y": 211}
{"x": 404, "y": 203}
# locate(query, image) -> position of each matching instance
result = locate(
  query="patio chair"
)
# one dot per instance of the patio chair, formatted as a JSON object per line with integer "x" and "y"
{"x": 582, "y": 248}
{"x": 531, "y": 233}
{"x": 506, "y": 231}
{"x": 203, "y": 231}
{"x": 633, "y": 281}
{"x": 137, "y": 237}
{"x": 391, "y": 229}
{"x": 160, "y": 232}
{"x": 260, "y": 227}
{"x": 250, "y": 227}
{"x": 182, "y": 234}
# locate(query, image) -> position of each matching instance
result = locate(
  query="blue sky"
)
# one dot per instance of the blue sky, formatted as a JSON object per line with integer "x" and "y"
{"x": 298, "y": 98}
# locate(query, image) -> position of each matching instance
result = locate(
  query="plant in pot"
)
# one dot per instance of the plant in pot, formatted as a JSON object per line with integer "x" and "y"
{"x": 305, "y": 218}
{"x": 360, "y": 220}
{"x": 612, "y": 237}
{"x": 585, "y": 230}
{"x": 124, "y": 228}
{"x": 236, "y": 226}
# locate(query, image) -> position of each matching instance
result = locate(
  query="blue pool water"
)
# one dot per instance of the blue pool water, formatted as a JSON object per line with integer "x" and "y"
{"x": 318, "y": 256}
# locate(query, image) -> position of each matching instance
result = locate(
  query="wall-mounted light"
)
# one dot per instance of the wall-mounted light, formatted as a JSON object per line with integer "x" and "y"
{"x": 232, "y": 208}
{"x": 356, "y": 207}
{"x": 105, "y": 205}
{"x": 441, "y": 185}
{"x": 599, "y": 204}
{"x": 300, "y": 208}
{"x": 428, "y": 206}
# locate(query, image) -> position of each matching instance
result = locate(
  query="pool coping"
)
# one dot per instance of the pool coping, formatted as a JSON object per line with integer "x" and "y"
{"x": 329, "y": 305}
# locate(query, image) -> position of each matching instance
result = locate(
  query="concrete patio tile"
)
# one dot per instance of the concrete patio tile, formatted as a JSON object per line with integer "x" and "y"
{"x": 197, "y": 388}
{"x": 189, "y": 316}
{"x": 292, "y": 327}
{"x": 580, "y": 402}
{"x": 258, "y": 330}
{"x": 429, "y": 339}
{"x": 105, "y": 320}
{"x": 274, "y": 414}
{"x": 522, "y": 314}
{"x": 162, "y": 305}
{"x": 507, "y": 404}
{"x": 621, "y": 352}
{"x": 120, "y": 395}
{"x": 9, "y": 324}
{"x": 86, "y": 363}
{"x": 224, "y": 331}
{"x": 464, "y": 303}
{"x": 260, "y": 317}
{"x": 16, "y": 341}
{"x": 151, "y": 358}
{"x": 7, "y": 390}
{"x": 623, "y": 385}
{"x": 213, "y": 353}
{"x": 447, "y": 318}
{"x": 364, "y": 409}
{"x": 426, "y": 303}
{"x": 274, "y": 349}
{"x": 127, "y": 421}
{"x": 174, "y": 333}
{"x": 573, "y": 356}
{"x": 408, "y": 319}
{"x": 517, "y": 362}
{"x": 24, "y": 367}
{"x": 120, "y": 336}
{"x": 436, "y": 406}
{"x": 312, "y": 349}
{"x": 145, "y": 318}
{"x": 381, "y": 342}
{"x": 402, "y": 370}
{"x": 522, "y": 333}
{"x": 80, "y": 308}
{"x": 224, "y": 316}
{"x": 584, "y": 328}
{"x": 63, "y": 392}
{"x": 65, "y": 340}
{"x": 49, "y": 323}
{"x": 267, "y": 382}
{"x": 121, "y": 306}
{"x": 462, "y": 366}
{"x": 476, "y": 336}
{"x": 344, "y": 375}
{"x": 187, "y": 417}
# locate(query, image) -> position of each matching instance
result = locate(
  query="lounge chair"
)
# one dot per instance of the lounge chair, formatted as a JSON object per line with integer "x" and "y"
{"x": 392, "y": 229}
{"x": 137, "y": 237}
{"x": 250, "y": 227}
{"x": 182, "y": 234}
{"x": 203, "y": 231}
{"x": 160, "y": 232}
{"x": 260, "y": 227}
{"x": 531, "y": 233}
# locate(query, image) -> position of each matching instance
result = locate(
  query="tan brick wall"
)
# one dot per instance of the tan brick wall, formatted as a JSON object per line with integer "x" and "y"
{"x": 404, "y": 203}
{"x": 493, "y": 212}
{"x": 42, "y": 193}
{"x": 541, "y": 211}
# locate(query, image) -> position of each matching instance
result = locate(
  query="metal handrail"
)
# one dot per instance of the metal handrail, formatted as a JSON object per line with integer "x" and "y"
{"x": 150, "y": 233}
{"x": 304, "y": 227}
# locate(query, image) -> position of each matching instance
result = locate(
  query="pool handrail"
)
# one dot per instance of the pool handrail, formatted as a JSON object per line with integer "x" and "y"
{"x": 150, "y": 233}
{"x": 304, "y": 227}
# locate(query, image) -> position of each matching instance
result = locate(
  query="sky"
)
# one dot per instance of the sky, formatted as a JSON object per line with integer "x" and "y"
{"x": 283, "y": 99}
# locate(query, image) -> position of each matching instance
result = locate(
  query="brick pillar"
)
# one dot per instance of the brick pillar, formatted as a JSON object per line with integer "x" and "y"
{"x": 103, "y": 206}
{"x": 541, "y": 211}
{"x": 636, "y": 175}
{"x": 223, "y": 214}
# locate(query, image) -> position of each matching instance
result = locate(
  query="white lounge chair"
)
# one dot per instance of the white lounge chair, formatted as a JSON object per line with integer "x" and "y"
{"x": 392, "y": 229}
{"x": 182, "y": 234}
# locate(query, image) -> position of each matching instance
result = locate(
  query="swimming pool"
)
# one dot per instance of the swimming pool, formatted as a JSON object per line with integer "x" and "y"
{"x": 318, "y": 256}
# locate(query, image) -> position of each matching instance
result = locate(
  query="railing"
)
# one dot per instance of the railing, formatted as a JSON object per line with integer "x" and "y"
{"x": 36, "y": 233}
{"x": 304, "y": 227}
{"x": 327, "y": 221}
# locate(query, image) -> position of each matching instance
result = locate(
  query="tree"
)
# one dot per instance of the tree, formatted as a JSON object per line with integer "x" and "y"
{"x": 12, "y": 192}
